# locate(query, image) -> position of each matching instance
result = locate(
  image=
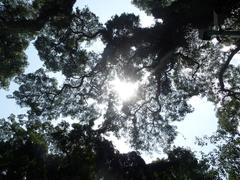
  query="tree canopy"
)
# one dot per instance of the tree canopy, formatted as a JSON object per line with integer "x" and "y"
{"x": 41, "y": 151}
{"x": 168, "y": 60}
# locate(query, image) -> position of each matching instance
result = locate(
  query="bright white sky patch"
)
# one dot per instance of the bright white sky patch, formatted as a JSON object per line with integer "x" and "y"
{"x": 105, "y": 9}
{"x": 125, "y": 90}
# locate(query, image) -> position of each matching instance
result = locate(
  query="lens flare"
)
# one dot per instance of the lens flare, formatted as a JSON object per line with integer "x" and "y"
{"x": 125, "y": 90}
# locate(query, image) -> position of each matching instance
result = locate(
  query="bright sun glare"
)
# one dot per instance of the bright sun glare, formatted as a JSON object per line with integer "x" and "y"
{"x": 125, "y": 90}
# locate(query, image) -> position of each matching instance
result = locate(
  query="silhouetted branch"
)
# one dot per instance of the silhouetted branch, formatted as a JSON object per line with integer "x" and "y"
{"x": 163, "y": 62}
{"x": 223, "y": 70}
{"x": 89, "y": 36}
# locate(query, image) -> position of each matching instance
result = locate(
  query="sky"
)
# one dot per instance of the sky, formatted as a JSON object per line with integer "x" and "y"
{"x": 199, "y": 123}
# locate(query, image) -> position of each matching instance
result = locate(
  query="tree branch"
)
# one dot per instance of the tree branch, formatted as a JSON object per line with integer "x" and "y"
{"x": 89, "y": 36}
{"x": 223, "y": 70}
{"x": 163, "y": 62}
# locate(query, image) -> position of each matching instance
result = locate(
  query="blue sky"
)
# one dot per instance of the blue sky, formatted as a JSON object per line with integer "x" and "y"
{"x": 9, "y": 106}
{"x": 202, "y": 121}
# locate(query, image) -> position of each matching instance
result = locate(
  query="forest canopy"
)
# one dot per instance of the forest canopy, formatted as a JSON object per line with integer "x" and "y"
{"x": 169, "y": 61}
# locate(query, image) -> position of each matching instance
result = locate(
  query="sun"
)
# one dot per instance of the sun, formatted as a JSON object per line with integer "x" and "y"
{"x": 124, "y": 89}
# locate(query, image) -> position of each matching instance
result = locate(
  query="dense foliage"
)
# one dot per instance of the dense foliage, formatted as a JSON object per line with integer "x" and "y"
{"x": 169, "y": 62}
{"x": 42, "y": 151}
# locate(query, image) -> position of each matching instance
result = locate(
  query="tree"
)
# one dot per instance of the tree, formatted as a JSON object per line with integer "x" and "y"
{"x": 12, "y": 58}
{"x": 179, "y": 64}
{"x": 23, "y": 151}
{"x": 41, "y": 151}
{"x": 180, "y": 164}
{"x": 166, "y": 50}
{"x": 20, "y": 21}
{"x": 225, "y": 157}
